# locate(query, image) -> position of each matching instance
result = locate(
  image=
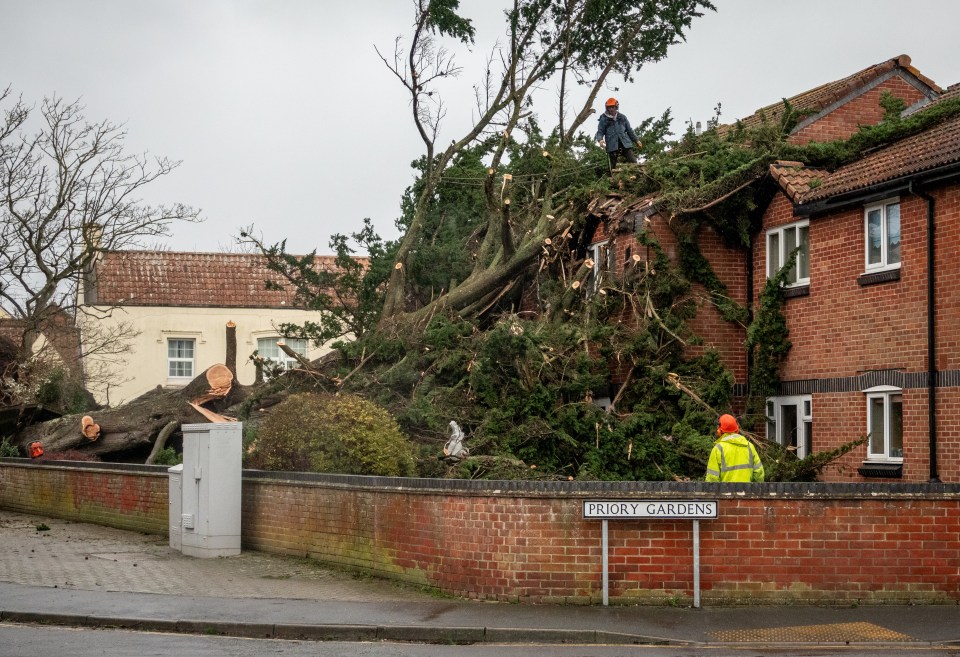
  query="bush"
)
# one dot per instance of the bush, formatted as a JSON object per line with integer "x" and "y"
{"x": 168, "y": 456}
{"x": 326, "y": 433}
{"x": 8, "y": 448}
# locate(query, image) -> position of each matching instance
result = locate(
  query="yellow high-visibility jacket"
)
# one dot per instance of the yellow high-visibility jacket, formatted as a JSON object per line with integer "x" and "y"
{"x": 734, "y": 458}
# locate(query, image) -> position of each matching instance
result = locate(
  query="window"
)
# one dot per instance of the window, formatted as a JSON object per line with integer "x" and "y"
{"x": 267, "y": 348}
{"x": 790, "y": 423}
{"x": 882, "y": 236}
{"x": 781, "y": 242}
{"x": 180, "y": 358}
{"x": 602, "y": 256}
{"x": 884, "y": 424}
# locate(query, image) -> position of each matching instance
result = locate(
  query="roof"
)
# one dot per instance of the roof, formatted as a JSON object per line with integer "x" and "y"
{"x": 795, "y": 179}
{"x": 814, "y": 101}
{"x": 214, "y": 280}
{"x": 935, "y": 147}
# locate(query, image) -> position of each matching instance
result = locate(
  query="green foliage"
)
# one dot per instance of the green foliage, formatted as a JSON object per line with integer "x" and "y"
{"x": 781, "y": 464}
{"x": 8, "y": 448}
{"x": 442, "y": 17}
{"x": 347, "y": 297}
{"x": 64, "y": 393}
{"x": 768, "y": 339}
{"x": 168, "y": 456}
{"x": 326, "y": 433}
{"x": 833, "y": 154}
{"x": 523, "y": 388}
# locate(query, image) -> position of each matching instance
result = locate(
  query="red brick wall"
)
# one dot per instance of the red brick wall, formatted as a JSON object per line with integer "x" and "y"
{"x": 528, "y": 541}
{"x": 122, "y": 498}
{"x": 726, "y": 338}
{"x": 862, "y": 110}
{"x": 729, "y": 266}
{"x": 538, "y": 548}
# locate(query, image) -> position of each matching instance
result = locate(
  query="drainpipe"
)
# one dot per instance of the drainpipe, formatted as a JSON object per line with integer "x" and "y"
{"x": 931, "y": 331}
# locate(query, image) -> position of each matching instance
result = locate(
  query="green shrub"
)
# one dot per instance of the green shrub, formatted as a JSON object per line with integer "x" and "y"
{"x": 168, "y": 456}
{"x": 332, "y": 433}
{"x": 7, "y": 448}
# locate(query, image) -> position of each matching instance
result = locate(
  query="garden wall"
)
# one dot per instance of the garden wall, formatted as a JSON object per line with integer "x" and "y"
{"x": 528, "y": 541}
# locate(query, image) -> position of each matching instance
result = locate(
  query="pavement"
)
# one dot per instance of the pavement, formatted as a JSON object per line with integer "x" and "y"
{"x": 73, "y": 574}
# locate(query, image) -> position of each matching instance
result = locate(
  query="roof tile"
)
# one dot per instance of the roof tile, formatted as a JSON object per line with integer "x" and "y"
{"x": 935, "y": 147}
{"x": 167, "y": 278}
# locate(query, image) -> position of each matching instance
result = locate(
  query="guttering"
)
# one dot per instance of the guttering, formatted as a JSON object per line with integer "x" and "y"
{"x": 931, "y": 327}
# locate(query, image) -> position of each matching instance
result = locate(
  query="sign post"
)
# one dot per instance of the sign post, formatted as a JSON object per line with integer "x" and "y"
{"x": 694, "y": 510}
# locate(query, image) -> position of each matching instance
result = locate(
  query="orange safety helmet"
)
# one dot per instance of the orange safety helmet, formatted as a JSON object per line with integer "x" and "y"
{"x": 611, "y": 101}
{"x": 728, "y": 424}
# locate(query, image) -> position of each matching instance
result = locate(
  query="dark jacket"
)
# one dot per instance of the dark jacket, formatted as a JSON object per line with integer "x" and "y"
{"x": 617, "y": 132}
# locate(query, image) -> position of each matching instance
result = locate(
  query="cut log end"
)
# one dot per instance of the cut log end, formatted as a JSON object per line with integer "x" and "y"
{"x": 89, "y": 428}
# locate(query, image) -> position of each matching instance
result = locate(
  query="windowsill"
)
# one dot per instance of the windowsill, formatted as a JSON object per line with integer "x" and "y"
{"x": 796, "y": 291}
{"x": 875, "y": 469}
{"x": 874, "y": 277}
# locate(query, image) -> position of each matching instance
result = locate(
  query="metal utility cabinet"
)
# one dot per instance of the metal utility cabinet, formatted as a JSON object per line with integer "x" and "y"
{"x": 209, "y": 509}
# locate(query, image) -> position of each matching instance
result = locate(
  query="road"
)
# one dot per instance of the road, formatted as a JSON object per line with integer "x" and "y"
{"x": 38, "y": 641}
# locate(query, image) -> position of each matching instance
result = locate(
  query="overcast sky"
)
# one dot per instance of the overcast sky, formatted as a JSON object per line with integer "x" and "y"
{"x": 284, "y": 116}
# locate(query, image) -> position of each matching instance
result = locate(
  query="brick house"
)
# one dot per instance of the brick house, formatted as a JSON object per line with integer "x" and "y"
{"x": 179, "y": 304}
{"x": 873, "y": 309}
{"x": 862, "y": 321}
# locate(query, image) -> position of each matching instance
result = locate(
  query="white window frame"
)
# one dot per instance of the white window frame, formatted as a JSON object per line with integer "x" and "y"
{"x": 283, "y": 359}
{"x": 602, "y": 255}
{"x": 883, "y": 208}
{"x": 794, "y": 279}
{"x": 888, "y": 396}
{"x": 192, "y": 360}
{"x": 776, "y": 424}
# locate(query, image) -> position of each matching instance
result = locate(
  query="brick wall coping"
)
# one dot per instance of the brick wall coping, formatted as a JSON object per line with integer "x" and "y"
{"x": 132, "y": 468}
{"x": 584, "y": 489}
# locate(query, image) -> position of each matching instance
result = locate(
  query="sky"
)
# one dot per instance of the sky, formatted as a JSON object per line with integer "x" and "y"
{"x": 284, "y": 117}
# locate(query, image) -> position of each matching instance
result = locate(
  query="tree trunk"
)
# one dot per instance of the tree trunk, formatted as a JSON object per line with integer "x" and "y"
{"x": 230, "y": 359}
{"x": 133, "y": 425}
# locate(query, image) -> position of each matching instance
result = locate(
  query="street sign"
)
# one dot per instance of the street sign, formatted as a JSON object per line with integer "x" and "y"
{"x": 607, "y": 510}
{"x": 622, "y": 509}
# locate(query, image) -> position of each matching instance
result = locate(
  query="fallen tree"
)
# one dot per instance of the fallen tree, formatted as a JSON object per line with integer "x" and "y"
{"x": 137, "y": 425}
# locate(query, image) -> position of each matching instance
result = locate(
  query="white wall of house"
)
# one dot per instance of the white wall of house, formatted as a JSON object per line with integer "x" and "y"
{"x": 186, "y": 341}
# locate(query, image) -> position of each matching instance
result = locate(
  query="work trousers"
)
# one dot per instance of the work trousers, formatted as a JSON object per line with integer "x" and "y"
{"x": 627, "y": 153}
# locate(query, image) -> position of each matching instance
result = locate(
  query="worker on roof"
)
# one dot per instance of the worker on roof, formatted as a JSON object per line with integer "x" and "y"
{"x": 734, "y": 458}
{"x": 615, "y": 134}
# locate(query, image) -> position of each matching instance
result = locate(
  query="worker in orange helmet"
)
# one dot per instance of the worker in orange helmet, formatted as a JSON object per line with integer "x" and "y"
{"x": 734, "y": 458}
{"x": 615, "y": 134}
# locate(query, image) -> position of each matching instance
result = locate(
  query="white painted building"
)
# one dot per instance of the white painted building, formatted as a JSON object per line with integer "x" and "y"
{"x": 179, "y": 304}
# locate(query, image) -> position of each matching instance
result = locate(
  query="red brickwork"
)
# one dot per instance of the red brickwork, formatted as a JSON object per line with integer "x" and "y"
{"x": 865, "y": 109}
{"x": 818, "y": 544}
{"x": 126, "y": 500}
{"x": 844, "y": 329}
{"x": 729, "y": 266}
{"x": 539, "y": 549}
